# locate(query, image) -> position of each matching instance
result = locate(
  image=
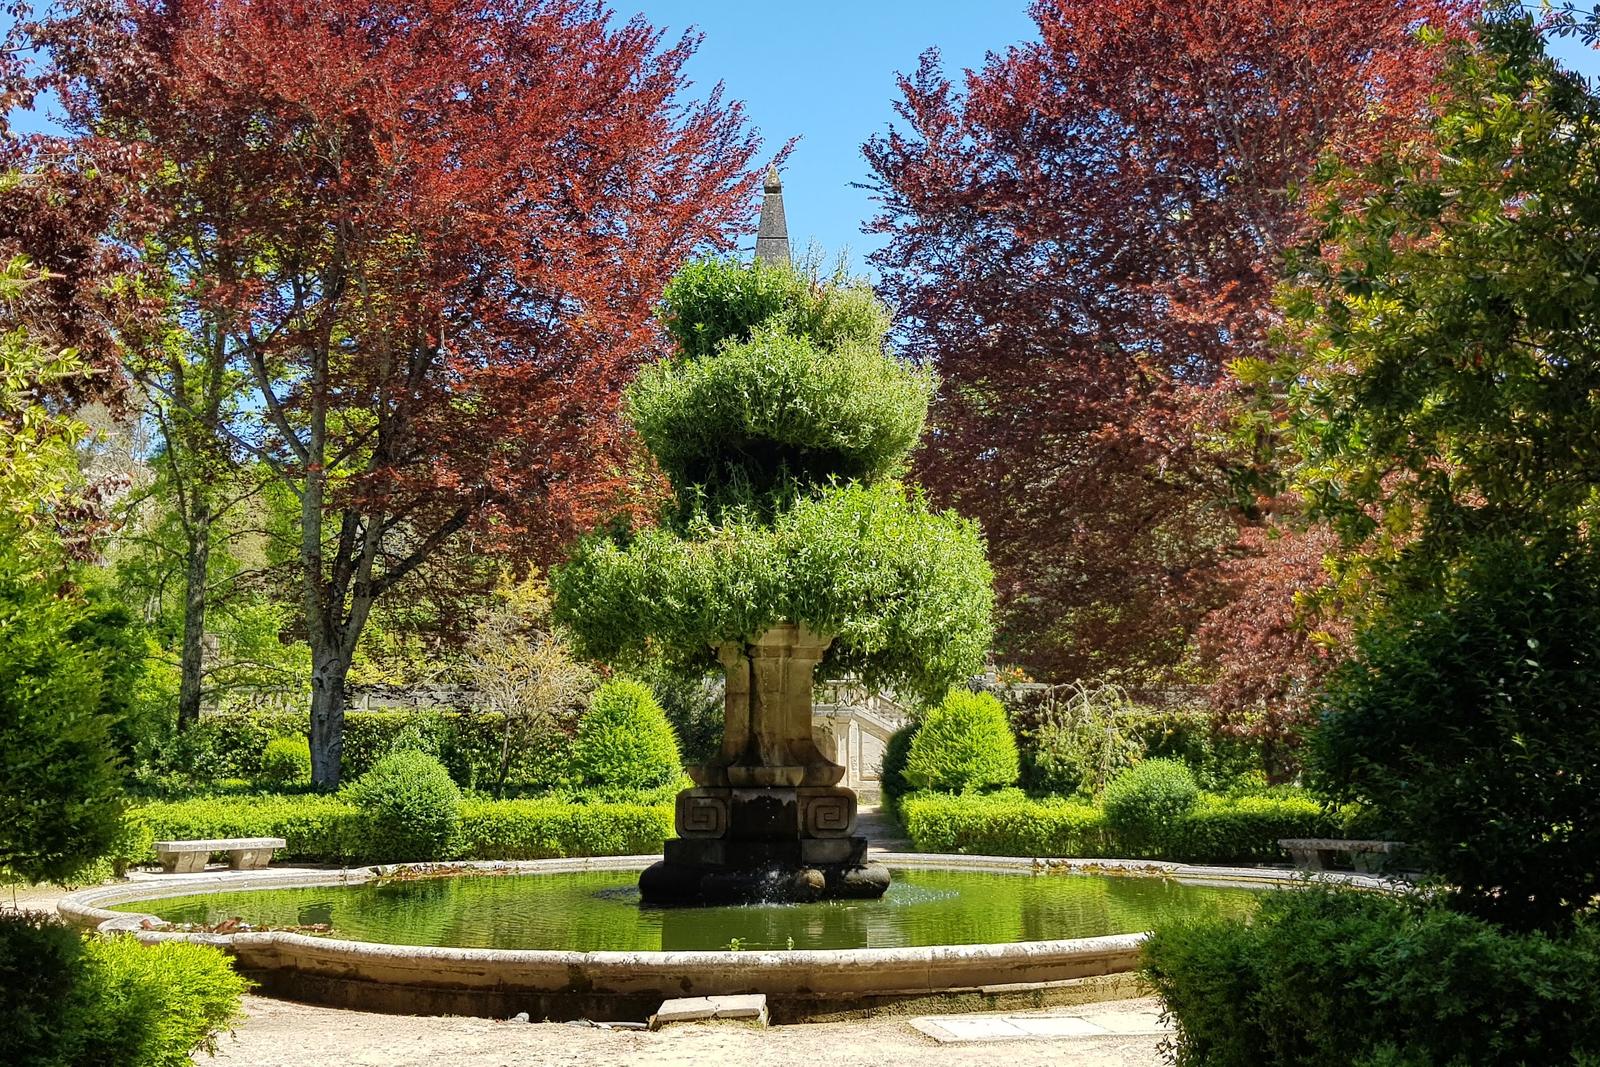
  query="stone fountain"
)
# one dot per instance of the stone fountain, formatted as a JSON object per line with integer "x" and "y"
{"x": 767, "y": 818}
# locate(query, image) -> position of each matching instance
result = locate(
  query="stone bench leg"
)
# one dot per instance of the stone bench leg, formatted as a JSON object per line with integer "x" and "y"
{"x": 183, "y": 862}
{"x": 249, "y": 859}
{"x": 1308, "y": 858}
{"x": 1369, "y": 862}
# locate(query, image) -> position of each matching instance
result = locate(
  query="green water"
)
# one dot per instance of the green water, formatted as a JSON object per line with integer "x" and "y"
{"x": 592, "y": 911}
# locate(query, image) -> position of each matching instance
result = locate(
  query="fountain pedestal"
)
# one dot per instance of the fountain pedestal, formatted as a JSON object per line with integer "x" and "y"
{"x": 767, "y": 819}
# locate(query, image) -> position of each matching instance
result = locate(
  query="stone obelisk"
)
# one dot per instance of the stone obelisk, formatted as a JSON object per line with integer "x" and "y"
{"x": 772, "y": 240}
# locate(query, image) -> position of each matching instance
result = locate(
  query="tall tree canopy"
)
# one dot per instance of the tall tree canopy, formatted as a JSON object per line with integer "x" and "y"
{"x": 422, "y": 239}
{"x": 1081, "y": 238}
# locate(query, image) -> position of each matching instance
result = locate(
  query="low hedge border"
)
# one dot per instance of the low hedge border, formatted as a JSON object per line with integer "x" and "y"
{"x": 1216, "y": 830}
{"x": 327, "y": 830}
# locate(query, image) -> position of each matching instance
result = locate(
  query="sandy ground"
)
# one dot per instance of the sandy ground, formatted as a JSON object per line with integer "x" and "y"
{"x": 279, "y": 1034}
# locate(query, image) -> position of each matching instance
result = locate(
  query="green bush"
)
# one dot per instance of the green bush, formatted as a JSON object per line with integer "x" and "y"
{"x": 777, "y": 411}
{"x": 1469, "y": 719}
{"x": 892, "y": 774}
{"x": 64, "y": 666}
{"x": 412, "y": 808}
{"x": 286, "y": 761}
{"x": 546, "y": 829}
{"x": 68, "y": 1001}
{"x": 154, "y": 1005}
{"x": 1327, "y": 979}
{"x": 713, "y": 302}
{"x": 625, "y": 744}
{"x": 964, "y": 744}
{"x": 41, "y": 962}
{"x": 1144, "y": 804}
{"x": 1004, "y": 824}
{"x": 230, "y": 746}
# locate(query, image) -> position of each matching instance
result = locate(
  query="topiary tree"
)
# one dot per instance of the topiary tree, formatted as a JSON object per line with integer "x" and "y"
{"x": 1144, "y": 801}
{"x": 783, "y": 426}
{"x": 963, "y": 744}
{"x": 412, "y": 806}
{"x": 789, "y": 545}
{"x": 625, "y": 743}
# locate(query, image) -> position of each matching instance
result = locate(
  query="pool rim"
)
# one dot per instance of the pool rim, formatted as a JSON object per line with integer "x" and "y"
{"x": 421, "y": 979}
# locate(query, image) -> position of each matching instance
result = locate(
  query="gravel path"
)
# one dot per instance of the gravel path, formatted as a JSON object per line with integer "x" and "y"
{"x": 279, "y": 1034}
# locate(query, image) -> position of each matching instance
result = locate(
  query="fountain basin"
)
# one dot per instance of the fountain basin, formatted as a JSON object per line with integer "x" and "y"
{"x": 629, "y": 984}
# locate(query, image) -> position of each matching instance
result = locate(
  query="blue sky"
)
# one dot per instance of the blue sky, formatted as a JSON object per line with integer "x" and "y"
{"x": 825, "y": 71}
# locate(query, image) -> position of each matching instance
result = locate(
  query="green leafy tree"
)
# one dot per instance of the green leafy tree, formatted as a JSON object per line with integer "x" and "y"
{"x": 1442, "y": 385}
{"x": 67, "y": 660}
{"x": 783, "y": 426}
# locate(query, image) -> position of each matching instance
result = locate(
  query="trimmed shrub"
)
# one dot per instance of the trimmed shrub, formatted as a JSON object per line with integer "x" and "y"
{"x": 1327, "y": 979}
{"x": 317, "y": 829}
{"x": 70, "y": 1001}
{"x": 963, "y": 745}
{"x": 1247, "y": 829}
{"x": 286, "y": 761}
{"x": 1002, "y": 825}
{"x": 1144, "y": 803}
{"x": 548, "y": 829}
{"x": 1214, "y": 830}
{"x": 321, "y": 829}
{"x": 412, "y": 808}
{"x": 625, "y": 744}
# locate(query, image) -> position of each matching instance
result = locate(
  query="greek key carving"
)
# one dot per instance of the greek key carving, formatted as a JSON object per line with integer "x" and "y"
{"x": 701, "y": 814}
{"x": 829, "y": 814}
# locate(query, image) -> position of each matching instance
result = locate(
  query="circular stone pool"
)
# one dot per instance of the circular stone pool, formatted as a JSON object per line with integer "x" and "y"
{"x": 599, "y": 911}
{"x": 565, "y": 939}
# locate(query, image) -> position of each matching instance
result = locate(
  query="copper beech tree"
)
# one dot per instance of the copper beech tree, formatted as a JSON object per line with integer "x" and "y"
{"x": 420, "y": 239}
{"x": 1081, "y": 237}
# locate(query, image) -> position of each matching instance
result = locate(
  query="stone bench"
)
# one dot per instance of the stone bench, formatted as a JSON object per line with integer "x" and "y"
{"x": 244, "y": 853}
{"x": 1318, "y": 853}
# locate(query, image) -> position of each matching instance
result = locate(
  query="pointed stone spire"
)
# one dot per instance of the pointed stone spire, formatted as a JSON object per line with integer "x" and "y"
{"x": 772, "y": 240}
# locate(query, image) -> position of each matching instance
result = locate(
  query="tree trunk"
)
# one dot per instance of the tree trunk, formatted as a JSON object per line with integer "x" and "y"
{"x": 329, "y": 669}
{"x": 192, "y": 659}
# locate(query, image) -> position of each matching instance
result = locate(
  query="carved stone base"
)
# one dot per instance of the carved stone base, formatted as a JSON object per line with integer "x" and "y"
{"x": 784, "y": 843}
{"x": 669, "y": 882}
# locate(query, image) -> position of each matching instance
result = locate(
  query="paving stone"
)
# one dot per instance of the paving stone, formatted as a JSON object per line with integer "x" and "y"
{"x": 748, "y": 1007}
{"x": 1057, "y": 1026}
{"x": 958, "y": 1029}
{"x": 1129, "y": 1022}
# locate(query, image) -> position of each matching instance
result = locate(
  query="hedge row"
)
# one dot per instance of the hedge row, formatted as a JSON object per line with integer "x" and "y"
{"x": 1215, "y": 830}
{"x": 231, "y": 745}
{"x": 321, "y": 829}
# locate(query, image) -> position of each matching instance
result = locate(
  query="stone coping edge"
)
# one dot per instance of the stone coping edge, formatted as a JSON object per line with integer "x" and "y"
{"x": 427, "y": 980}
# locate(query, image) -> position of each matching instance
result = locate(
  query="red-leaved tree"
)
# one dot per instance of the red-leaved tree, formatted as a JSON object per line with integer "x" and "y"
{"x": 423, "y": 238}
{"x": 1081, "y": 237}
